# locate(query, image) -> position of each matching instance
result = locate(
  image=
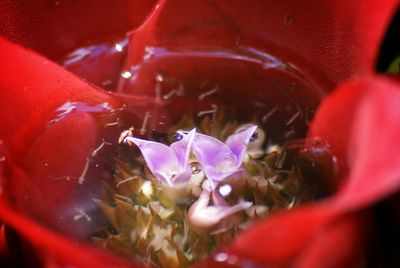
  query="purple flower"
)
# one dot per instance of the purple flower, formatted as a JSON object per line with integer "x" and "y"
{"x": 169, "y": 164}
{"x": 220, "y": 160}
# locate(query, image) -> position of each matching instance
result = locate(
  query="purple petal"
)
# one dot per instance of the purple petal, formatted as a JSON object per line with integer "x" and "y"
{"x": 220, "y": 160}
{"x": 217, "y": 176}
{"x": 212, "y": 152}
{"x": 183, "y": 177}
{"x": 237, "y": 142}
{"x": 183, "y": 148}
{"x": 161, "y": 159}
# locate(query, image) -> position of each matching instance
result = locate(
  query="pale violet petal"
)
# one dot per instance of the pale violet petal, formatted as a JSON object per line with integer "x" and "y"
{"x": 182, "y": 177}
{"x": 183, "y": 147}
{"x": 217, "y": 176}
{"x": 208, "y": 185}
{"x": 237, "y": 142}
{"x": 160, "y": 158}
{"x": 220, "y": 160}
{"x": 212, "y": 152}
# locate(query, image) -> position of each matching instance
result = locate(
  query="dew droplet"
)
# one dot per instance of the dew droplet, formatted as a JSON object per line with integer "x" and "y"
{"x": 118, "y": 47}
{"x": 195, "y": 167}
{"x": 159, "y": 78}
{"x": 225, "y": 190}
{"x": 254, "y": 137}
{"x": 228, "y": 163}
{"x": 221, "y": 257}
{"x": 126, "y": 74}
{"x": 177, "y": 137}
{"x": 229, "y": 160}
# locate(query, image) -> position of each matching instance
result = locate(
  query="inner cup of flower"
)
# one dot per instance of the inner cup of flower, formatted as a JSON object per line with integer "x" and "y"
{"x": 183, "y": 188}
{"x": 218, "y": 148}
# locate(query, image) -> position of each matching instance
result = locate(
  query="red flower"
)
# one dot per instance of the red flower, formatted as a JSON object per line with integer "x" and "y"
{"x": 332, "y": 42}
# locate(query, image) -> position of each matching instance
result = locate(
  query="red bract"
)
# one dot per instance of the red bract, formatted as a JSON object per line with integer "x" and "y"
{"x": 371, "y": 134}
{"x": 330, "y": 42}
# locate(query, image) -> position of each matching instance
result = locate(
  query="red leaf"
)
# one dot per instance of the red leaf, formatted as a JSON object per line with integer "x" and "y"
{"x": 53, "y": 28}
{"x": 361, "y": 123}
{"x": 283, "y": 236}
{"x": 330, "y": 40}
{"x": 340, "y": 244}
{"x": 31, "y": 89}
{"x": 374, "y": 145}
{"x": 358, "y": 121}
{"x": 364, "y": 115}
{"x": 67, "y": 251}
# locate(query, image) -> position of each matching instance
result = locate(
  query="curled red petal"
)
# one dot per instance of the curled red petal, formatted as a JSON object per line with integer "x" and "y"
{"x": 340, "y": 244}
{"x": 48, "y": 243}
{"x": 330, "y": 41}
{"x": 54, "y": 153}
{"x": 366, "y": 138}
{"x": 360, "y": 121}
{"x": 63, "y": 249}
{"x": 52, "y": 28}
{"x": 39, "y": 151}
{"x": 55, "y": 167}
{"x": 31, "y": 89}
{"x": 330, "y": 115}
{"x": 374, "y": 144}
{"x": 283, "y": 236}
